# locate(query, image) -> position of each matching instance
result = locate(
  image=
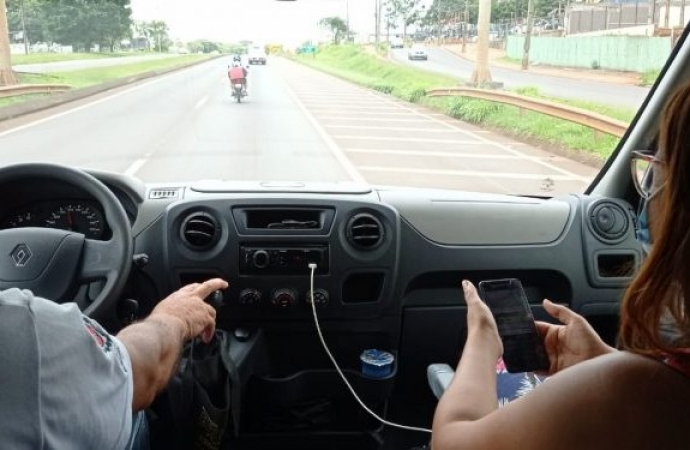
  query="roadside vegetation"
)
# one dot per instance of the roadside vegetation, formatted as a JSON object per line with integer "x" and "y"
{"x": 40, "y": 58}
{"x": 98, "y": 75}
{"x": 355, "y": 64}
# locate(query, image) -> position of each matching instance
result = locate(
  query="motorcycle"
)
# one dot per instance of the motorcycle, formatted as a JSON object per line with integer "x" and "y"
{"x": 237, "y": 91}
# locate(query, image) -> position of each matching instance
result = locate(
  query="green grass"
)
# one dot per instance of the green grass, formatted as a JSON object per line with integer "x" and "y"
{"x": 89, "y": 77}
{"x": 352, "y": 63}
{"x": 648, "y": 78}
{"x": 98, "y": 75}
{"x": 38, "y": 58}
{"x": 21, "y": 99}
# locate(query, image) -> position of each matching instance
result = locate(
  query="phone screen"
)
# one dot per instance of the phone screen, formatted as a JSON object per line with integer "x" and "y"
{"x": 523, "y": 348}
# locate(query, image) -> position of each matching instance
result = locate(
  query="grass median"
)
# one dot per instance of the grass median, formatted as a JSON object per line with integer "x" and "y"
{"x": 577, "y": 141}
{"x": 98, "y": 75}
{"x": 40, "y": 58}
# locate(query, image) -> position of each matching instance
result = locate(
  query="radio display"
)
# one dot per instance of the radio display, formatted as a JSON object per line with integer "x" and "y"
{"x": 283, "y": 260}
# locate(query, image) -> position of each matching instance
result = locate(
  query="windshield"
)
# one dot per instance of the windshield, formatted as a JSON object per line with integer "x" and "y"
{"x": 408, "y": 93}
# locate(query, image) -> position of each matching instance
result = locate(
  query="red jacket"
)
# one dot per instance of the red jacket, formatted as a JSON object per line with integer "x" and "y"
{"x": 237, "y": 73}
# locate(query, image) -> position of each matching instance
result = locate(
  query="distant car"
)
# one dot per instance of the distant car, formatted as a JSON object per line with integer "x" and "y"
{"x": 257, "y": 58}
{"x": 397, "y": 43}
{"x": 417, "y": 52}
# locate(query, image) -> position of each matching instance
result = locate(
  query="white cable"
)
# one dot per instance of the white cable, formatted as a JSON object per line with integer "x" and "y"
{"x": 312, "y": 266}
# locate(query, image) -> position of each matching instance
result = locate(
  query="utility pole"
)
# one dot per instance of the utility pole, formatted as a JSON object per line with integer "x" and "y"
{"x": 24, "y": 36}
{"x": 528, "y": 35}
{"x": 6, "y": 74}
{"x": 466, "y": 26}
{"x": 377, "y": 19}
{"x": 481, "y": 74}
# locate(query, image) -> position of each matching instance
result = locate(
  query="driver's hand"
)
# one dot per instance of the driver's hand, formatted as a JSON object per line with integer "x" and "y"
{"x": 188, "y": 306}
{"x": 571, "y": 343}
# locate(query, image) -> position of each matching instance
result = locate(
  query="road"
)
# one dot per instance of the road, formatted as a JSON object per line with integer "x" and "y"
{"x": 296, "y": 124}
{"x": 78, "y": 64}
{"x": 445, "y": 62}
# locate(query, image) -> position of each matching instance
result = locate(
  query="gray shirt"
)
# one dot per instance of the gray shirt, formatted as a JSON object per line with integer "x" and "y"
{"x": 65, "y": 383}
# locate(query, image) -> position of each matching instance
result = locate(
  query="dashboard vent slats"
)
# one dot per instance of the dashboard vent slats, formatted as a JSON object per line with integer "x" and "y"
{"x": 163, "y": 194}
{"x": 200, "y": 231}
{"x": 609, "y": 222}
{"x": 364, "y": 231}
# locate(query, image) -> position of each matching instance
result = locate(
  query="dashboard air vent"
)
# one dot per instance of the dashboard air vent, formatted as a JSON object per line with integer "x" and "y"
{"x": 364, "y": 231}
{"x": 200, "y": 230}
{"x": 609, "y": 221}
{"x": 162, "y": 194}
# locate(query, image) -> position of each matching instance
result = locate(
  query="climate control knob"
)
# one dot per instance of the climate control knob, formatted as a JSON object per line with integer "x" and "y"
{"x": 320, "y": 297}
{"x": 250, "y": 297}
{"x": 284, "y": 298}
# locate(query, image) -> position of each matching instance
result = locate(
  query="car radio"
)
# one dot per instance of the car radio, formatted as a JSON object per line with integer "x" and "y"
{"x": 282, "y": 260}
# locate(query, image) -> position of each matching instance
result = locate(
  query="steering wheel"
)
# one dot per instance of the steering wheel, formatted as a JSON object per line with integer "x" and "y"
{"x": 52, "y": 263}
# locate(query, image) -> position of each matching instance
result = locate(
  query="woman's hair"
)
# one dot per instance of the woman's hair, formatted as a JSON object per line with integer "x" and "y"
{"x": 662, "y": 287}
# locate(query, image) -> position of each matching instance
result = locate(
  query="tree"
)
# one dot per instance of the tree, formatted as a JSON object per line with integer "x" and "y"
{"x": 32, "y": 13}
{"x": 159, "y": 33}
{"x": 406, "y": 11}
{"x": 337, "y": 26}
{"x": 6, "y": 74}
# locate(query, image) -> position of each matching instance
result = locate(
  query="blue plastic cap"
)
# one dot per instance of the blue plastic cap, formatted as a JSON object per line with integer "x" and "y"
{"x": 377, "y": 363}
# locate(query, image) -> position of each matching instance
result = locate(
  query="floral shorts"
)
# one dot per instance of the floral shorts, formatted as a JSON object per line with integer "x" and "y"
{"x": 513, "y": 385}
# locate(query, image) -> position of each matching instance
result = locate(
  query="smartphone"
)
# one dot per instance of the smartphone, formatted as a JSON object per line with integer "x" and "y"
{"x": 523, "y": 347}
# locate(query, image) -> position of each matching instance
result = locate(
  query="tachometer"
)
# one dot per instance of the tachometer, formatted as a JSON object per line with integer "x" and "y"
{"x": 21, "y": 220}
{"x": 78, "y": 217}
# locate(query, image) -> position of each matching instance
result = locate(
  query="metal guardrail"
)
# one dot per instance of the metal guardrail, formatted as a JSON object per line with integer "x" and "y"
{"x": 25, "y": 89}
{"x": 577, "y": 115}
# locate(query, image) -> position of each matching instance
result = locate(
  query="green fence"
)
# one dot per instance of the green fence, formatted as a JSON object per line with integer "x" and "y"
{"x": 626, "y": 53}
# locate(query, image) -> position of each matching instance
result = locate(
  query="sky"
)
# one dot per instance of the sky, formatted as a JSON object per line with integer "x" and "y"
{"x": 262, "y": 21}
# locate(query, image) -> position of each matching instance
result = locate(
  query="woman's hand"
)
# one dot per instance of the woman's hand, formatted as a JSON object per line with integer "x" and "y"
{"x": 571, "y": 343}
{"x": 480, "y": 322}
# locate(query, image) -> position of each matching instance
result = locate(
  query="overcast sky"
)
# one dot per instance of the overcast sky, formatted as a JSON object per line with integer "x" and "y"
{"x": 289, "y": 22}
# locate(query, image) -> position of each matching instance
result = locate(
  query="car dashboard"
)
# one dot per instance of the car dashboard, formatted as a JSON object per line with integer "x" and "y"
{"x": 389, "y": 263}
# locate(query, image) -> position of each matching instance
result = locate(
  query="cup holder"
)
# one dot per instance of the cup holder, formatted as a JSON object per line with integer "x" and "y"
{"x": 315, "y": 400}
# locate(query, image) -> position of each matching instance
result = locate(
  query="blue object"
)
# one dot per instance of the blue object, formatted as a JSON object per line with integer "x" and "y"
{"x": 377, "y": 363}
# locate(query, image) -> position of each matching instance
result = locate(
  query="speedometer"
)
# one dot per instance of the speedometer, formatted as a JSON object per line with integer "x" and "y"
{"x": 78, "y": 217}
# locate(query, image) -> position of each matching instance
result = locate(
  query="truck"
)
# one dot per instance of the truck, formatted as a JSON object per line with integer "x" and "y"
{"x": 257, "y": 55}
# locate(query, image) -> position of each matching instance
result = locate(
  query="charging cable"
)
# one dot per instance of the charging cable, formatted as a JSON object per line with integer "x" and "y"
{"x": 312, "y": 266}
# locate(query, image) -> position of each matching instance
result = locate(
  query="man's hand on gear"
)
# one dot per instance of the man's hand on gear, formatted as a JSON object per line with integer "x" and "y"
{"x": 188, "y": 305}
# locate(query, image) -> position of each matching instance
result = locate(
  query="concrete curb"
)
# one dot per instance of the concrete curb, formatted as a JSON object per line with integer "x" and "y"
{"x": 32, "y": 106}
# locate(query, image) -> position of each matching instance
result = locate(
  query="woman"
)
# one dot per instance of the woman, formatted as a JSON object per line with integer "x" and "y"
{"x": 637, "y": 398}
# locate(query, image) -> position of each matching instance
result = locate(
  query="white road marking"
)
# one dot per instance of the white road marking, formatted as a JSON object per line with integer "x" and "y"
{"x": 90, "y": 104}
{"x": 337, "y": 152}
{"x": 398, "y": 129}
{"x": 201, "y": 103}
{"x": 374, "y": 119}
{"x": 135, "y": 166}
{"x": 470, "y": 173}
{"x": 506, "y": 148}
{"x": 371, "y": 151}
{"x": 355, "y": 107}
{"x": 404, "y": 139}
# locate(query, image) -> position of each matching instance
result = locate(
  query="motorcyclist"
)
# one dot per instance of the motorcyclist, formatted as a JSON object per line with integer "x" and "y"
{"x": 238, "y": 74}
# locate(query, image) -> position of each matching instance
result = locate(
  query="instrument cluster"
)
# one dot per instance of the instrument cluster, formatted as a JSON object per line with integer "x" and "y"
{"x": 80, "y": 216}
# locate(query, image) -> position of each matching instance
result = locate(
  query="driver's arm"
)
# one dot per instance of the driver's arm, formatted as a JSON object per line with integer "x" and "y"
{"x": 155, "y": 344}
